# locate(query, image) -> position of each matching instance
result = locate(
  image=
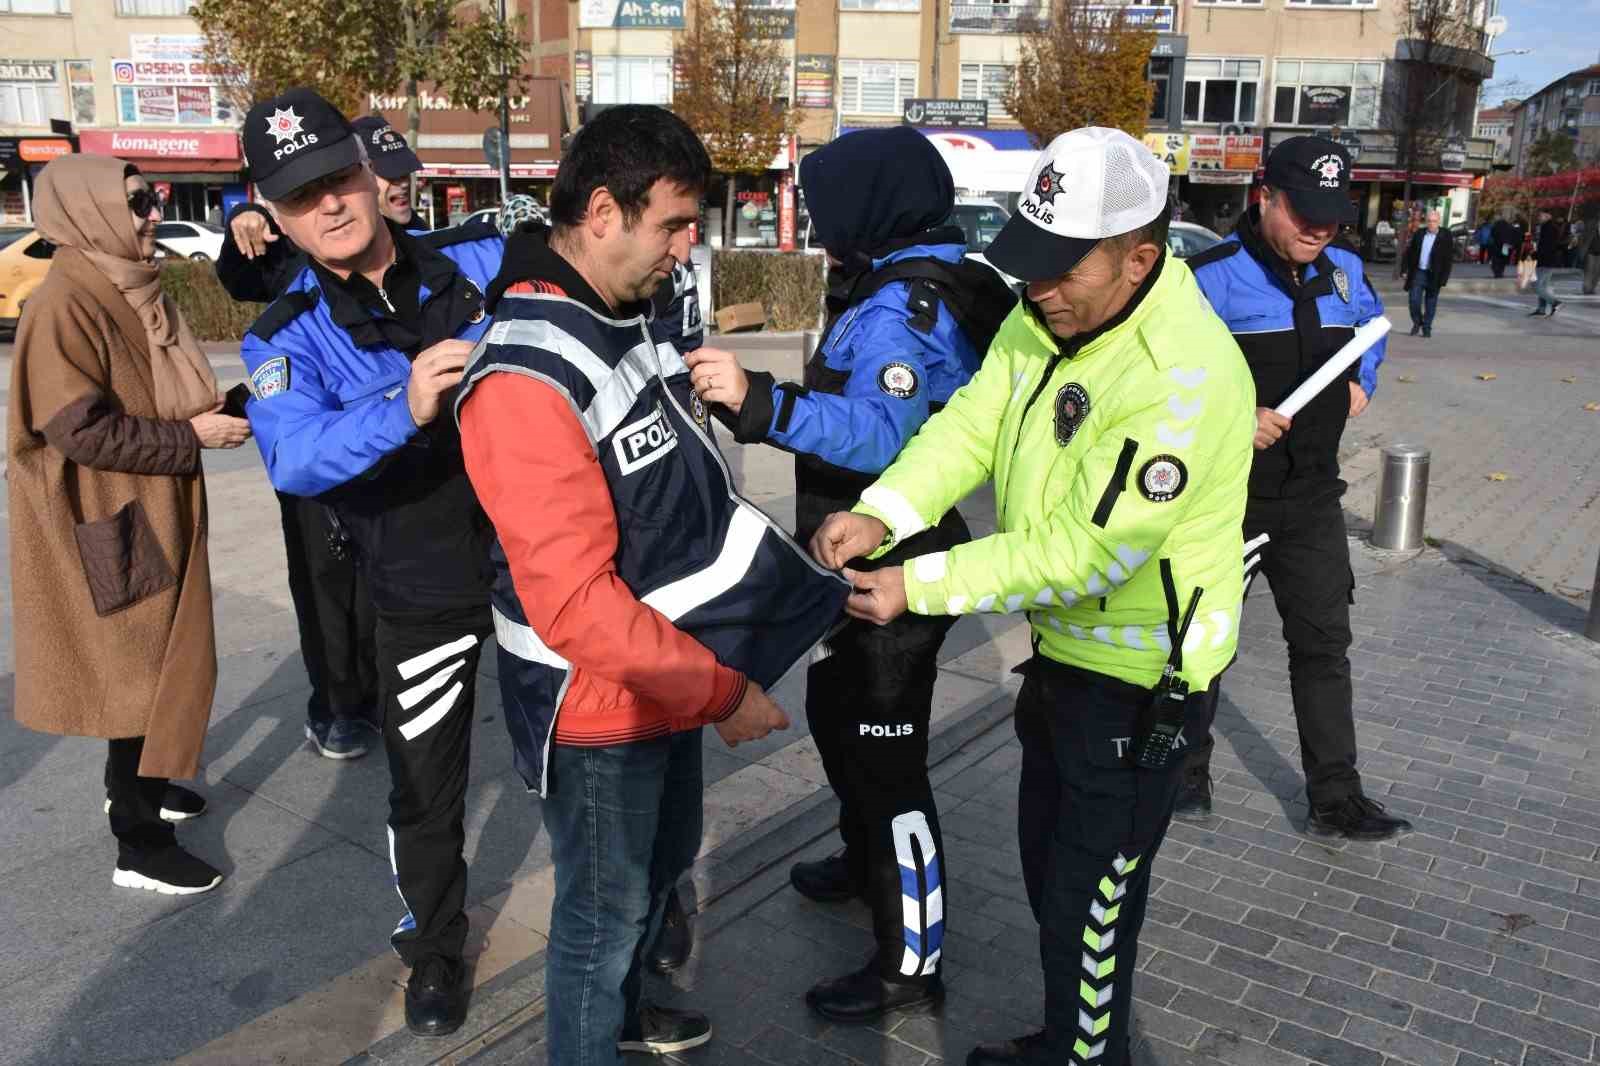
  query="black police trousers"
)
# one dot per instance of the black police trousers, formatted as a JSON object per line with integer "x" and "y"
{"x": 868, "y": 704}
{"x": 428, "y": 671}
{"x": 1306, "y": 560}
{"x": 1089, "y": 823}
{"x": 333, "y": 609}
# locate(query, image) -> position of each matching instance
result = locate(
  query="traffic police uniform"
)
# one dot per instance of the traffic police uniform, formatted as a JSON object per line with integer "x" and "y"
{"x": 894, "y": 350}
{"x": 1289, "y": 320}
{"x": 1119, "y": 459}
{"x": 329, "y": 363}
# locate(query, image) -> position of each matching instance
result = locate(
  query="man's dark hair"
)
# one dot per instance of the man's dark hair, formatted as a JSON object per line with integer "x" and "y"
{"x": 1152, "y": 232}
{"x": 627, "y": 149}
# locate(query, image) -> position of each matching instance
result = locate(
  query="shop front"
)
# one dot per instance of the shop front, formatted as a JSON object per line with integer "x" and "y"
{"x": 197, "y": 174}
{"x": 1211, "y": 174}
{"x": 765, "y": 206}
{"x": 457, "y": 176}
{"x": 21, "y": 159}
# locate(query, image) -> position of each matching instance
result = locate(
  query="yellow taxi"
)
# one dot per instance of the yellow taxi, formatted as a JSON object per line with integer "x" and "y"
{"x": 24, "y": 261}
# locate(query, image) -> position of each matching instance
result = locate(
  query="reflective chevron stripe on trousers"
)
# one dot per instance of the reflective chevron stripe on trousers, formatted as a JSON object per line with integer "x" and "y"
{"x": 427, "y": 674}
{"x": 1089, "y": 824}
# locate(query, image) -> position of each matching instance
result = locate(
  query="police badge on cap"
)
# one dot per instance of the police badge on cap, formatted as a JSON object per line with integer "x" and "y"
{"x": 294, "y": 139}
{"x": 392, "y": 158}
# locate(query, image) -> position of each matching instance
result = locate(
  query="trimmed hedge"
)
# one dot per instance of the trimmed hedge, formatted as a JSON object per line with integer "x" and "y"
{"x": 212, "y": 314}
{"x": 788, "y": 285}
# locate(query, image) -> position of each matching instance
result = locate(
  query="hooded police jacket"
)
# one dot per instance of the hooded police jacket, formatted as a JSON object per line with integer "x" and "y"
{"x": 1119, "y": 461}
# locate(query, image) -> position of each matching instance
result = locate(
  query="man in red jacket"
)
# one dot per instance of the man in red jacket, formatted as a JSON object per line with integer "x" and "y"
{"x": 637, "y": 597}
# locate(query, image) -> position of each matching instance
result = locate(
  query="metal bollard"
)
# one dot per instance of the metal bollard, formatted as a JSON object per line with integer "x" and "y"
{"x": 1592, "y": 629}
{"x": 1402, "y": 498}
{"x": 809, "y": 340}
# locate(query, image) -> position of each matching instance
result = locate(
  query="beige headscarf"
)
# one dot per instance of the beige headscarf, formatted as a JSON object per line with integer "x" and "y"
{"x": 81, "y": 202}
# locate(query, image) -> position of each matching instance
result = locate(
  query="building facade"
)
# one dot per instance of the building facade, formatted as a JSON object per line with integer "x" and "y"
{"x": 1496, "y": 124}
{"x": 1567, "y": 107}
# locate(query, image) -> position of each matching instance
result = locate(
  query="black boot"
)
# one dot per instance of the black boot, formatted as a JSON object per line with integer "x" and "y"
{"x": 1030, "y": 1050}
{"x": 1355, "y": 818}
{"x": 675, "y": 940}
{"x": 1194, "y": 798}
{"x": 826, "y": 880}
{"x": 866, "y": 996}
{"x": 436, "y": 996}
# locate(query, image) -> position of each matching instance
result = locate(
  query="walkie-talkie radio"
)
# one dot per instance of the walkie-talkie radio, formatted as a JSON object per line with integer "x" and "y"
{"x": 1162, "y": 721}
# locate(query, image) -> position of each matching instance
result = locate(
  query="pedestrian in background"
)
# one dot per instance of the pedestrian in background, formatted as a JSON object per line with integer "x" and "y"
{"x": 1548, "y": 253}
{"x": 1505, "y": 240}
{"x": 1427, "y": 270}
{"x": 112, "y": 401}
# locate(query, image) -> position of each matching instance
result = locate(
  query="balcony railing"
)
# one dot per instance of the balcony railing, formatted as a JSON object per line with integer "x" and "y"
{"x": 998, "y": 18}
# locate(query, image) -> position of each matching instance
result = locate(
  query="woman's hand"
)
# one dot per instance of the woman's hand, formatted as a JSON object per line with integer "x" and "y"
{"x": 217, "y": 430}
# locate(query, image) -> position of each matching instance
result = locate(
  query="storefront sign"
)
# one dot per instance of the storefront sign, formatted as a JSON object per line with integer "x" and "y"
{"x": 946, "y": 114}
{"x": 1222, "y": 177}
{"x": 786, "y": 213}
{"x": 1324, "y": 105}
{"x": 1453, "y": 156}
{"x": 16, "y": 150}
{"x": 80, "y": 80}
{"x": 181, "y": 47}
{"x": 582, "y": 76}
{"x": 1172, "y": 149}
{"x": 27, "y": 70}
{"x": 1170, "y": 45}
{"x": 165, "y": 72}
{"x": 1206, "y": 152}
{"x": 1425, "y": 177}
{"x": 630, "y": 14}
{"x": 1242, "y": 151}
{"x": 771, "y": 24}
{"x": 138, "y": 144}
{"x": 813, "y": 81}
{"x": 1158, "y": 17}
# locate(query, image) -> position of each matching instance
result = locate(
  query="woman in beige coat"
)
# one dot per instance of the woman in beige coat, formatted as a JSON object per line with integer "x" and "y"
{"x": 111, "y": 402}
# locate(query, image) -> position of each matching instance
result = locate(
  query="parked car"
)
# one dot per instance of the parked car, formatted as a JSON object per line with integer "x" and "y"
{"x": 24, "y": 261}
{"x": 491, "y": 215}
{"x": 1186, "y": 239}
{"x": 980, "y": 219}
{"x": 199, "y": 241}
{"x": 1384, "y": 243}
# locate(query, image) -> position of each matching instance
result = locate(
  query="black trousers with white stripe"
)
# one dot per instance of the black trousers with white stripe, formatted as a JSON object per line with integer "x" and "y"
{"x": 428, "y": 669}
{"x": 1307, "y": 563}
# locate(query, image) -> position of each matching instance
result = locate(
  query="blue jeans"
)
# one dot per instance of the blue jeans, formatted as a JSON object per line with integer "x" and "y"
{"x": 624, "y": 824}
{"x": 1542, "y": 288}
{"x": 1423, "y": 301}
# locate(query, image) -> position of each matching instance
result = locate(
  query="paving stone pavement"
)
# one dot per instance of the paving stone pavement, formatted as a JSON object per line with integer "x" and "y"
{"x": 1474, "y": 940}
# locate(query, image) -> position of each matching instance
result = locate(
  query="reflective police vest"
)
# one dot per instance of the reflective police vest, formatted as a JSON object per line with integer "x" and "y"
{"x": 720, "y": 569}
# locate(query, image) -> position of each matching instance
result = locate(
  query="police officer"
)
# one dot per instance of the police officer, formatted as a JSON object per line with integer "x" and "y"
{"x": 1113, "y": 415}
{"x": 332, "y": 603}
{"x": 350, "y": 370}
{"x": 1292, "y": 298}
{"x": 909, "y": 319}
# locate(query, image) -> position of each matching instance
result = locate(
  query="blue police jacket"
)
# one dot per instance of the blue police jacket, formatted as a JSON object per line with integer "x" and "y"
{"x": 1286, "y": 331}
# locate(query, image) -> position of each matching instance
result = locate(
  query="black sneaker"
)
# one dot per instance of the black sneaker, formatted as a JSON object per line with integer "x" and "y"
{"x": 170, "y": 871}
{"x": 1553, "y": 308}
{"x": 341, "y": 738}
{"x": 178, "y": 804}
{"x": 436, "y": 996}
{"x": 1427, "y": 333}
{"x": 1030, "y": 1049}
{"x": 1194, "y": 798}
{"x": 1355, "y": 818}
{"x": 826, "y": 880}
{"x": 1415, "y": 329}
{"x": 673, "y": 944}
{"x": 659, "y": 1030}
{"x": 866, "y": 996}
{"x": 1537, "y": 313}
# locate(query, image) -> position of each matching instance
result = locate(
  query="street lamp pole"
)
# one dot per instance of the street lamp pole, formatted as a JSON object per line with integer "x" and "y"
{"x": 505, "y": 122}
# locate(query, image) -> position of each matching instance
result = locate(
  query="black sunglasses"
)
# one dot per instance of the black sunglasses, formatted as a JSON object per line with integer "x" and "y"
{"x": 142, "y": 201}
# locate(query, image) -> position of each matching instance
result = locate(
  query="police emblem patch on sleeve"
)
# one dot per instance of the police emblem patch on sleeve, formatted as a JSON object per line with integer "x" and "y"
{"x": 1163, "y": 478}
{"x": 270, "y": 378}
{"x": 1341, "y": 284}
{"x": 1072, "y": 407}
{"x": 898, "y": 380}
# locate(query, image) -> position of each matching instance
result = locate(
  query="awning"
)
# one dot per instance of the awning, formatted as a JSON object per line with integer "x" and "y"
{"x": 545, "y": 170}
{"x": 156, "y": 167}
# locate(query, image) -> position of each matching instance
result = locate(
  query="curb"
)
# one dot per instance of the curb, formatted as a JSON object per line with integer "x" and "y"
{"x": 728, "y": 882}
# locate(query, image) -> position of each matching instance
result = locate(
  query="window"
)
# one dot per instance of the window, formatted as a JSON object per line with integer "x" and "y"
{"x": 36, "y": 7}
{"x": 1221, "y": 90}
{"x": 633, "y": 79}
{"x": 1159, "y": 74}
{"x": 875, "y": 87}
{"x": 987, "y": 81}
{"x": 1331, "y": 3}
{"x": 30, "y": 103}
{"x": 1594, "y": 88}
{"x": 1320, "y": 93}
{"x": 1229, "y": 3}
{"x": 154, "y": 8}
{"x": 880, "y": 5}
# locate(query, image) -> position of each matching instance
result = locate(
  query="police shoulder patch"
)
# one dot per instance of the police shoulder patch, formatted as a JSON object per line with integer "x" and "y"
{"x": 898, "y": 380}
{"x": 1072, "y": 407}
{"x": 1341, "y": 284}
{"x": 270, "y": 378}
{"x": 1163, "y": 478}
